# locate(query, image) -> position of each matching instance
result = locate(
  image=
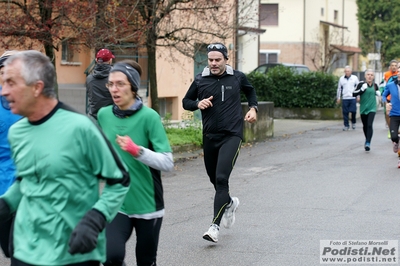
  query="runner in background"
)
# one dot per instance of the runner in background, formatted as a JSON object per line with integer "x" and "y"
{"x": 393, "y": 109}
{"x": 389, "y": 76}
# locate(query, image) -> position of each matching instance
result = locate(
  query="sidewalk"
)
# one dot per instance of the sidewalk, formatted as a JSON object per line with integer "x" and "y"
{"x": 282, "y": 127}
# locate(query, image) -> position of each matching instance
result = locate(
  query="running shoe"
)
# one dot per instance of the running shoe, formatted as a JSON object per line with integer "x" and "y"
{"x": 228, "y": 218}
{"x": 395, "y": 147}
{"x": 212, "y": 233}
{"x": 345, "y": 128}
{"x": 398, "y": 164}
{"x": 353, "y": 126}
{"x": 367, "y": 146}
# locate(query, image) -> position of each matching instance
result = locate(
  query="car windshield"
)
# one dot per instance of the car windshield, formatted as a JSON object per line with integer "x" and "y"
{"x": 262, "y": 69}
{"x": 298, "y": 69}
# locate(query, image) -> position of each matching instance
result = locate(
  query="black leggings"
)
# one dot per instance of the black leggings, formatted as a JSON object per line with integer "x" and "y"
{"x": 6, "y": 237}
{"x": 367, "y": 121}
{"x": 220, "y": 154}
{"x": 118, "y": 233}
{"x": 16, "y": 262}
{"x": 394, "y": 128}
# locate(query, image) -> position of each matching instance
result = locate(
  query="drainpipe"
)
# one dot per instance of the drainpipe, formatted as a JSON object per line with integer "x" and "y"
{"x": 258, "y": 37}
{"x": 304, "y": 32}
{"x": 343, "y": 22}
{"x": 236, "y": 41}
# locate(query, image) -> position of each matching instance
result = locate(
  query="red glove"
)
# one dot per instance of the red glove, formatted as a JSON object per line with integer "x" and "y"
{"x": 128, "y": 145}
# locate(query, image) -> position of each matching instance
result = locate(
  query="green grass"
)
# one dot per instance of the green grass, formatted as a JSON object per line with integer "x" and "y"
{"x": 183, "y": 136}
{"x": 189, "y": 133}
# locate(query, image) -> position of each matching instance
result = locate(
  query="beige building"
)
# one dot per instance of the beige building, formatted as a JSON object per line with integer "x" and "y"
{"x": 174, "y": 78}
{"x": 174, "y": 75}
{"x": 322, "y": 34}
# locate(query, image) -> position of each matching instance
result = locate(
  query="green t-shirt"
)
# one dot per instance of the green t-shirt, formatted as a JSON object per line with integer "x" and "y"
{"x": 59, "y": 160}
{"x": 145, "y": 129}
{"x": 368, "y": 101}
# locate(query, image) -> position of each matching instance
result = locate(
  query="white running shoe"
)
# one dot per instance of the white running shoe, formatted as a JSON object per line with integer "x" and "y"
{"x": 228, "y": 218}
{"x": 212, "y": 233}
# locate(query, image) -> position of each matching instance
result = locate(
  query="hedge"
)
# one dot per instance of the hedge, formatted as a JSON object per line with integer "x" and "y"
{"x": 289, "y": 90}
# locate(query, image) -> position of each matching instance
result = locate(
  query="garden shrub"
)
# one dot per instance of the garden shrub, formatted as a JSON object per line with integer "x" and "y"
{"x": 287, "y": 89}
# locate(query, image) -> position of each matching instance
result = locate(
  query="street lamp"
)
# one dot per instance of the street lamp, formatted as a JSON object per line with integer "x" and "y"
{"x": 378, "y": 45}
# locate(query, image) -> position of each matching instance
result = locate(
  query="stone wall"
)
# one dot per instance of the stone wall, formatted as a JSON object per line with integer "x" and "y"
{"x": 264, "y": 127}
{"x": 308, "y": 113}
{"x": 311, "y": 113}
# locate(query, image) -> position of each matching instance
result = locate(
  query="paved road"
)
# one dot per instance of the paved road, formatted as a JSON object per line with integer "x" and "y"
{"x": 311, "y": 182}
{"x": 295, "y": 190}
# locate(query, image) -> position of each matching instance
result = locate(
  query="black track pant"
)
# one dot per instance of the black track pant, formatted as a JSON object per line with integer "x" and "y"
{"x": 147, "y": 235}
{"x": 220, "y": 154}
{"x": 394, "y": 128}
{"x": 367, "y": 121}
{"x": 6, "y": 236}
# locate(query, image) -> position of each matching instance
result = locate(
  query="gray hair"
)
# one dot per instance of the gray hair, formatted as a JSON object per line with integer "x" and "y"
{"x": 35, "y": 66}
{"x": 347, "y": 67}
{"x": 369, "y": 70}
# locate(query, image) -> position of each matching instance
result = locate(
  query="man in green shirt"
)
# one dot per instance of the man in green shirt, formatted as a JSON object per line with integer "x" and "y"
{"x": 60, "y": 158}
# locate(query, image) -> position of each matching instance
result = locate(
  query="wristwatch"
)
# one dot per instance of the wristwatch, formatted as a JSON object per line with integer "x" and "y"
{"x": 141, "y": 151}
{"x": 255, "y": 108}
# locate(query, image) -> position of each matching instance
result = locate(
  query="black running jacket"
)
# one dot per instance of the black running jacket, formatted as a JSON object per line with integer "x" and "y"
{"x": 225, "y": 116}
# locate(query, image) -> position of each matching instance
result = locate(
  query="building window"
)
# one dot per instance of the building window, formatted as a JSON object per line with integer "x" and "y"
{"x": 268, "y": 57}
{"x": 335, "y": 15}
{"x": 269, "y": 14}
{"x": 128, "y": 50}
{"x": 339, "y": 60}
{"x": 68, "y": 51}
{"x": 165, "y": 106}
{"x": 322, "y": 11}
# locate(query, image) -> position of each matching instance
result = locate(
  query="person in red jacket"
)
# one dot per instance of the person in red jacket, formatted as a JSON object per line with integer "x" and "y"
{"x": 97, "y": 94}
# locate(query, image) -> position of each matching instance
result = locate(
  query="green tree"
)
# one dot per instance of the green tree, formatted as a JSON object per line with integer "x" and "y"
{"x": 378, "y": 20}
{"x": 42, "y": 24}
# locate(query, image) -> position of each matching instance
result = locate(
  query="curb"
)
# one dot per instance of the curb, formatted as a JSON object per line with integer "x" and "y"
{"x": 180, "y": 157}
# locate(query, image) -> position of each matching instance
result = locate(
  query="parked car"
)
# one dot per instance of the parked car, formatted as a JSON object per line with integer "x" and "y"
{"x": 297, "y": 68}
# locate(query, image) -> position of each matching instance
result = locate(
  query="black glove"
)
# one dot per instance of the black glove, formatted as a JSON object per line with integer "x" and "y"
{"x": 84, "y": 237}
{"x": 5, "y": 212}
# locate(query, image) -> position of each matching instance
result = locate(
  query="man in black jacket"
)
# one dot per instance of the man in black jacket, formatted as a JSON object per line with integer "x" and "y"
{"x": 216, "y": 92}
{"x": 97, "y": 93}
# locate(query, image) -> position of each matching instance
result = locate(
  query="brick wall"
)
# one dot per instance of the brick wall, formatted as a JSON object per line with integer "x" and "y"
{"x": 292, "y": 52}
